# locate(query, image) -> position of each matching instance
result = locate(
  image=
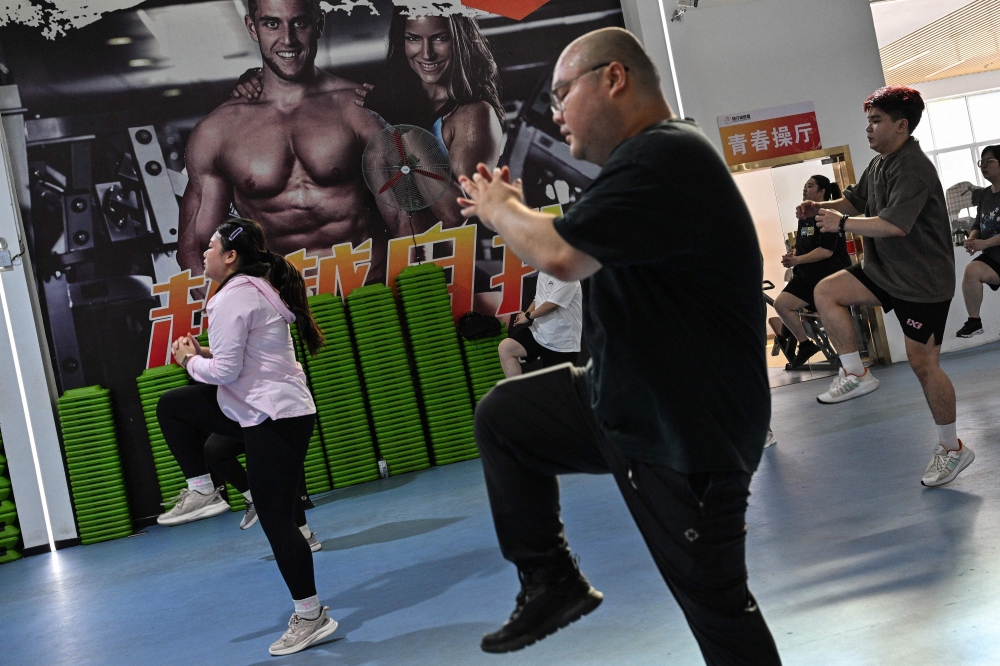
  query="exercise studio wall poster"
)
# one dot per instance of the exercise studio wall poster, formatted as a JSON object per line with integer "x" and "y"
{"x": 129, "y": 147}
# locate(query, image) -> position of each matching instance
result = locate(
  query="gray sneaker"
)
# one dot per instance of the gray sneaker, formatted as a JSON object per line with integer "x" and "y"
{"x": 249, "y": 517}
{"x": 302, "y": 633}
{"x": 314, "y": 544}
{"x": 190, "y": 506}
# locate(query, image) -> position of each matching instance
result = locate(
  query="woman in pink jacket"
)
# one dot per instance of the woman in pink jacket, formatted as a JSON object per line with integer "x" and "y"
{"x": 251, "y": 388}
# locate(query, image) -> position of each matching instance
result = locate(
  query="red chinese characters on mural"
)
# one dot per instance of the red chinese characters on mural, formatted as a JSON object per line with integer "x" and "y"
{"x": 345, "y": 270}
{"x": 454, "y": 250}
{"x": 176, "y": 318}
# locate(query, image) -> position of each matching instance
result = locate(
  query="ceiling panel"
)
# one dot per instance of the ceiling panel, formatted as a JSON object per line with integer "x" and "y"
{"x": 966, "y": 41}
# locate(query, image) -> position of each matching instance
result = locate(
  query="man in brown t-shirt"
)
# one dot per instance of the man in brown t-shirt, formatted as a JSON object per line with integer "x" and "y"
{"x": 899, "y": 206}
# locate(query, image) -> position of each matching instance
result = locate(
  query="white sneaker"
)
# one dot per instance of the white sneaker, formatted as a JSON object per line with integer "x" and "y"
{"x": 946, "y": 465}
{"x": 845, "y": 386}
{"x": 190, "y": 506}
{"x": 314, "y": 544}
{"x": 302, "y": 633}
{"x": 770, "y": 441}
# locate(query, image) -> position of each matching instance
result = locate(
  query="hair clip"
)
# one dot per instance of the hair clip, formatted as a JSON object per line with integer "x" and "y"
{"x": 236, "y": 233}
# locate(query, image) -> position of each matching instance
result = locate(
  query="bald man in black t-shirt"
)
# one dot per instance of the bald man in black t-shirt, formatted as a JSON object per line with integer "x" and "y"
{"x": 681, "y": 439}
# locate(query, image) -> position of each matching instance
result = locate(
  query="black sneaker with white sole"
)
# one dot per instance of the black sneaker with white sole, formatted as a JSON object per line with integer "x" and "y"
{"x": 549, "y": 600}
{"x": 807, "y": 350}
{"x": 970, "y": 328}
{"x": 786, "y": 345}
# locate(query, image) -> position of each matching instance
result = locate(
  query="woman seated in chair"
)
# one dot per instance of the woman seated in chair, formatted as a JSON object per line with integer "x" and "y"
{"x": 816, "y": 256}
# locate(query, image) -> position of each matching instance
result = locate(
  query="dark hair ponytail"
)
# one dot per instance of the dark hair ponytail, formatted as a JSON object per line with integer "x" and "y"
{"x": 830, "y": 188}
{"x": 246, "y": 238}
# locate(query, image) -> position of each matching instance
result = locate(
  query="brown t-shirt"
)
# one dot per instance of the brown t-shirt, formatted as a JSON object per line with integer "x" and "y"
{"x": 903, "y": 189}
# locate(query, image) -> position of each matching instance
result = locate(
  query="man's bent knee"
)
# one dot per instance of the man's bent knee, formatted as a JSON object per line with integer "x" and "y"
{"x": 493, "y": 410}
{"x": 510, "y": 348}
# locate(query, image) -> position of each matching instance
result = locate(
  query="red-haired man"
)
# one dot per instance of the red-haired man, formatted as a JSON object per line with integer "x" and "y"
{"x": 899, "y": 206}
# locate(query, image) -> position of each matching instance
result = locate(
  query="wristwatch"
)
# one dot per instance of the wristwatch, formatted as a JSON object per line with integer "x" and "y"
{"x": 527, "y": 315}
{"x": 843, "y": 221}
{"x": 184, "y": 361}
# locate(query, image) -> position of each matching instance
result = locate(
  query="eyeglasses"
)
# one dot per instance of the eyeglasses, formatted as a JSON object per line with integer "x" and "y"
{"x": 982, "y": 163}
{"x": 556, "y": 100}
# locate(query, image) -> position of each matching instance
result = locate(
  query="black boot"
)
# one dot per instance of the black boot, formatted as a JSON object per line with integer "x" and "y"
{"x": 549, "y": 600}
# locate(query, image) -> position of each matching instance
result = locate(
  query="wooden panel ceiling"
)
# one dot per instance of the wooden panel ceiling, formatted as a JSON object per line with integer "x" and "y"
{"x": 966, "y": 41}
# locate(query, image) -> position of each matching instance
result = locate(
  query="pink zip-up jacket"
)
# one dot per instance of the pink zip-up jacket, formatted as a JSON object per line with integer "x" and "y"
{"x": 253, "y": 361}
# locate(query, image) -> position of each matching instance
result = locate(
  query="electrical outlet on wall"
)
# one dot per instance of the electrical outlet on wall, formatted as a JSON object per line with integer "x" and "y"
{"x": 6, "y": 263}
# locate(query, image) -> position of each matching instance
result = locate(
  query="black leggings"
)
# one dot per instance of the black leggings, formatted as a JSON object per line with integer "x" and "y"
{"x": 221, "y": 454}
{"x": 276, "y": 452}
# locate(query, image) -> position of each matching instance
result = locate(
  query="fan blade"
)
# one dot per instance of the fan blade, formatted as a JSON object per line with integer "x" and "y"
{"x": 399, "y": 145}
{"x": 392, "y": 181}
{"x": 429, "y": 174}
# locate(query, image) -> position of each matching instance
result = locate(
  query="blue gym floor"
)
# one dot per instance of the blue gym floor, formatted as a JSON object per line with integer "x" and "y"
{"x": 852, "y": 561}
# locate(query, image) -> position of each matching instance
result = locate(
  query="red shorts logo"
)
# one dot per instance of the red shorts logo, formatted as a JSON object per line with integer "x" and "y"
{"x": 914, "y": 324}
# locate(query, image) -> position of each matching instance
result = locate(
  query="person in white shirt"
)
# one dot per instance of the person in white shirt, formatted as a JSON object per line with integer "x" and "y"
{"x": 251, "y": 388}
{"x": 550, "y": 329}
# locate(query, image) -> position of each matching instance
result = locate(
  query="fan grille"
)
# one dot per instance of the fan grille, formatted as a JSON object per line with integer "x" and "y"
{"x": 406, "y": 167}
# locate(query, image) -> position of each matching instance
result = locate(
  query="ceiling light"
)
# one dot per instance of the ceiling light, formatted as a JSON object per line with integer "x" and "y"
{"x": 119, "y": 41}
{"x": 140, "y": 62}
{"x": 944, "y": 69}
{"x": 908, "y": 60}
{"x": 172, "y": 92}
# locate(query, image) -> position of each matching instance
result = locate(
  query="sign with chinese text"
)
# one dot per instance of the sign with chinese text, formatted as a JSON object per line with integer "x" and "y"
{"x": 768, "y": 133}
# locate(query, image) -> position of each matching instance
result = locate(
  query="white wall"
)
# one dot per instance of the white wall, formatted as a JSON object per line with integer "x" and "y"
{"x": 757, "y": 189}
{"x": 740, "y": 55}
{"x": 17, "y": 285}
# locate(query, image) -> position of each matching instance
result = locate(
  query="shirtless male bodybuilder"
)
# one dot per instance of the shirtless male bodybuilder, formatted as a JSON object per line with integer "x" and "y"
{"x": 291, "y": 159}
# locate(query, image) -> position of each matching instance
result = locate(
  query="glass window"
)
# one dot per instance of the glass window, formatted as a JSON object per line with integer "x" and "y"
{"x": 956, "y": 166}
{"x": 923, "y": 134}
{"x": 985, "y": 113}
{"x": 950, "y": 122}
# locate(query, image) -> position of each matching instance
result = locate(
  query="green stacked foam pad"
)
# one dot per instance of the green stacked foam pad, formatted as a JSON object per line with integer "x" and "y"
{"x": 317, "y": 473}
{"x": 153, "y": 383}
{"x": 95, "y": 471}
{"x": 340, "y": 405}
{"x": 444, "y": 389}
{"x": 236, "y": 500}
{"x": 388, "y": 381}
{"x": 483, "y": 362}
{"x": 10, "y": 535}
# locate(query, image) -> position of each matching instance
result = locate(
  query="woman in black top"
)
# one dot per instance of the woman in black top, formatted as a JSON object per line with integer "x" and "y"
{"x": 816, "y": 256}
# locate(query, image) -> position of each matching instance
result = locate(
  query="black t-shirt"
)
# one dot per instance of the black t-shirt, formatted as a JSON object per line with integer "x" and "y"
{"x": 988, "y": 220}
{"x": 675, "y": 317}
{"x": 807, "y": 239}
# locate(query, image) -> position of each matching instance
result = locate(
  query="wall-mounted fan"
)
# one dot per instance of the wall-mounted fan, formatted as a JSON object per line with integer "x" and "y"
{"x": 406, "y": 167}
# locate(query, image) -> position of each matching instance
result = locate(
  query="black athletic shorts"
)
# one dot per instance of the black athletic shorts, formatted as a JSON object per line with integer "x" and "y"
{"x": 992, "y": 263}
{"x": 919, "y": 320}
{"x": 536, "y": 351}
{"x": 802, "y": 288}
